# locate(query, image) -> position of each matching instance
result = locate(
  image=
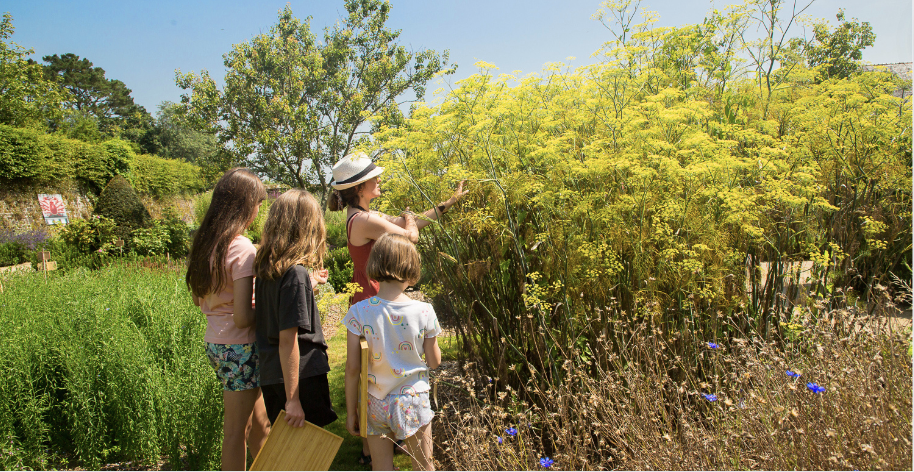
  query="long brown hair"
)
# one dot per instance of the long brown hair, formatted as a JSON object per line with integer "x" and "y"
{"x": 294, "y": 233}
{"x": 236, "y": 197}
{"x": 340, "y": 199}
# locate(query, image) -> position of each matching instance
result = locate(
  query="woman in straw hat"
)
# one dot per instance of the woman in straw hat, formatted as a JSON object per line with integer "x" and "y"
{"x": 355, "y": 184}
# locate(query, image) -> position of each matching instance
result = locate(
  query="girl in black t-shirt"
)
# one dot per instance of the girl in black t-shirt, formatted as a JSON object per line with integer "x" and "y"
{"x": 293, "y": 353}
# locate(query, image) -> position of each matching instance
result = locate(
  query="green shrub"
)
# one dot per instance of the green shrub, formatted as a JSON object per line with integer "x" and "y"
{"x": 335, "y": 222}
{"x": 119, "y": 202}
{"x": 178, "y": 233}
{"x": 150, "y": 241}
{"x": 160, "y": 177}
{"x": 255, "y": 231}
{"x": 339, "y": 264}
{"x": 11, "y": 253}
{"x": 122, "y": 378}
{"x": 26, "y": 154}
{"x": 166, "y": 235}
{"x": 90, "y": 235}
{"x": 201, "y": 206}
{"x": 20, "y": 156}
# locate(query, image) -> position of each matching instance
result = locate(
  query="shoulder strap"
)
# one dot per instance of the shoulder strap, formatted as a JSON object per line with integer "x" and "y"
{"x": 349, "y": 223}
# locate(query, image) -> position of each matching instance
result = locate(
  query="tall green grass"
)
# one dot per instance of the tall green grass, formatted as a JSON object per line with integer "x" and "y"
{"x": 105, "y": 366}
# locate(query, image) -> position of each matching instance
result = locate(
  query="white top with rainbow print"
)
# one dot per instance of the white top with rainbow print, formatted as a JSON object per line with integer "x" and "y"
{"x": 395, "y": 332}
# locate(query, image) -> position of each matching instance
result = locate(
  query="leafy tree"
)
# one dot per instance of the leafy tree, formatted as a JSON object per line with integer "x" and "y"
{"x": 174, "y": 138}
{"x": 93, "y": 96}
{"x": 27, "y": 99}
{"x": 836, "y": 53}
{"x": 292, "y": 106}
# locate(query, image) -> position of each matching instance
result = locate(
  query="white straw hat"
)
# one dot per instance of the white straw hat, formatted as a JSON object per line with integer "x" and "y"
{"x": 352, "y": 170}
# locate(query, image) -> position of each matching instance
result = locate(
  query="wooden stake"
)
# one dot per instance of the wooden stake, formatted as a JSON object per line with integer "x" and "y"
{"x": 363, "y": 389}
{"x": 45, "y": 255}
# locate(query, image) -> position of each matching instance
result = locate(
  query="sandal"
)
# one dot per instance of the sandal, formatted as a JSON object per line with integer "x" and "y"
{"x": 364, "y": 459}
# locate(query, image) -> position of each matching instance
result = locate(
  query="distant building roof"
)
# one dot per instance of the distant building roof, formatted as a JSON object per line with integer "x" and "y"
{"x": 901, "y": 69}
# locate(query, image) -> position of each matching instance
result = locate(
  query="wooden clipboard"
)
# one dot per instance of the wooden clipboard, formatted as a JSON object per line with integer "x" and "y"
{"x": 363, "y": 388}
{"x": 307, "y": 448}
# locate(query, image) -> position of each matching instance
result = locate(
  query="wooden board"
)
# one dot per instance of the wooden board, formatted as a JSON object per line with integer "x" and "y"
{"x": 363, "y": 389}
{"x": 307, "y": 448}
{"x": 49, "y": 265}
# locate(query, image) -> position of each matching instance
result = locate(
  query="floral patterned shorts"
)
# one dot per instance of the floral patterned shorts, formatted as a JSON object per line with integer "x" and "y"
{"x": 235, "y": 365}
{"x": 398, "y": 415}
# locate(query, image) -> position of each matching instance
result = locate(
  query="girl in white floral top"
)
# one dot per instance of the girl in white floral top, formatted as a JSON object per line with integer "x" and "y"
{"x": 399, "y": 331}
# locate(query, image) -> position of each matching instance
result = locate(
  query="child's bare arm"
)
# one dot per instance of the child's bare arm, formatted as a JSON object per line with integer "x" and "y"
{"x": 288, "y": 359}
{"x": 432, "y": 352}
{"x": 243, "y": 309}
{"x": 353, "y": 370}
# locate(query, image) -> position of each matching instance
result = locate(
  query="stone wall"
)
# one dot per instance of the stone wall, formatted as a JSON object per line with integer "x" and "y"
{"x": 19, "y": 209}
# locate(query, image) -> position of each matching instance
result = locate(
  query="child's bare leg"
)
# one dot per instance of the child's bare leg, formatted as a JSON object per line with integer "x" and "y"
{"x": 258, "y": 427}
{"x": 382, "y": 453}
{"x": 238, "y": 406}
{"x": 419, "y": 446}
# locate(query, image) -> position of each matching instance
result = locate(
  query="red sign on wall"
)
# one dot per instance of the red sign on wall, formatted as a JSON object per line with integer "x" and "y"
{"x": 53, "y": 209}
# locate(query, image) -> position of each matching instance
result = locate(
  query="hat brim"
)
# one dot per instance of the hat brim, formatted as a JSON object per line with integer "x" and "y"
{"x": 374, "y": 173}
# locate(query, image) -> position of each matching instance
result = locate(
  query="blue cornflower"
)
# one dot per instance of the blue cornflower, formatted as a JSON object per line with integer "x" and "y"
{"x": 713, "y": 345}
{"x": 511, "y": 431}
{"x": 709, "y": 397}
{"x": 546, "y": 462}
{"x": 793, "y": 374}
{"x": 498, "y": 438}
{"x": 815, "y": 387}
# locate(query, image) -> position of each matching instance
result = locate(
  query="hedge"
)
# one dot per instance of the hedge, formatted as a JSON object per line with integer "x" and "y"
{"x": 37, "y": 157}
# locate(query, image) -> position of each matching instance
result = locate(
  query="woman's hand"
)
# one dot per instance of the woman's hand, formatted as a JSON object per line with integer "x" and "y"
{"x": 458, "y": 194}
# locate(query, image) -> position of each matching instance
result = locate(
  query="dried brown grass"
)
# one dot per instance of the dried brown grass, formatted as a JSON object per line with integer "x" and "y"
{"x": 648, "y": 410}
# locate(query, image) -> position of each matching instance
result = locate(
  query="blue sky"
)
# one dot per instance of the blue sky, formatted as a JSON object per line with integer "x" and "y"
{"x": 142, "y": 43}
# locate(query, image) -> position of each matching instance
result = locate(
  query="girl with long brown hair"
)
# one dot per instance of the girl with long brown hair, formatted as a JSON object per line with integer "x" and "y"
{"x": 220, "y": 275}
{"x": 293, "y": 352}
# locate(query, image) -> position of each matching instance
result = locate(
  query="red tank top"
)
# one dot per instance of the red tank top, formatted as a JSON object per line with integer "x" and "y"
{"x": 359, "y": 256}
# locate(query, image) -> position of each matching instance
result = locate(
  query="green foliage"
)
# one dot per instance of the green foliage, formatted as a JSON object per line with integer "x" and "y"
{"x": 119, "y": 202}
{"x": 86, "y": 236}
{"x": 644, "y": 185}
{"x": 178, "y": 233}
{"x": 836, "y": 53}
{"x": 339, "y": 264}
{"x": 201, "y": 206}
{"x": 19, "y": 153}
{"x": 255, "y": 231}
{"x": 45, "y": 158}
{"x": 175, "y": 139}
{"x": 27, "y": 99}
{"x": 160, "y": 177}
{"x": 122, "y": 378}
{"x": 335, "y": 223}
{"x": 12, "y": 253}
{"x": 150, "y": 241}
{"x": 292, "y": 105}
{"x": 105, "y": 101}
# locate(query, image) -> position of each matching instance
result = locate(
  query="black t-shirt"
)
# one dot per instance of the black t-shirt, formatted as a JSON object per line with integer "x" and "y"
{"x": 283, "y": 304}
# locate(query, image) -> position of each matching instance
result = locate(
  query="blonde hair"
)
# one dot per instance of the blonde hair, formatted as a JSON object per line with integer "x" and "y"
{"x": 394, "y": 258}
{"x": 236, "y": 197}
{"x": 293, "y": 234}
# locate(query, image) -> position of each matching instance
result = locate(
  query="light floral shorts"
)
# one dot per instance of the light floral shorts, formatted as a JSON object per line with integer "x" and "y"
{"x": 399, "y": 416}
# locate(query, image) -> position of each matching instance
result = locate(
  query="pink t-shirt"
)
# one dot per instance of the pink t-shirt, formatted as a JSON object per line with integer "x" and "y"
{"x": 218, "y": 307}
